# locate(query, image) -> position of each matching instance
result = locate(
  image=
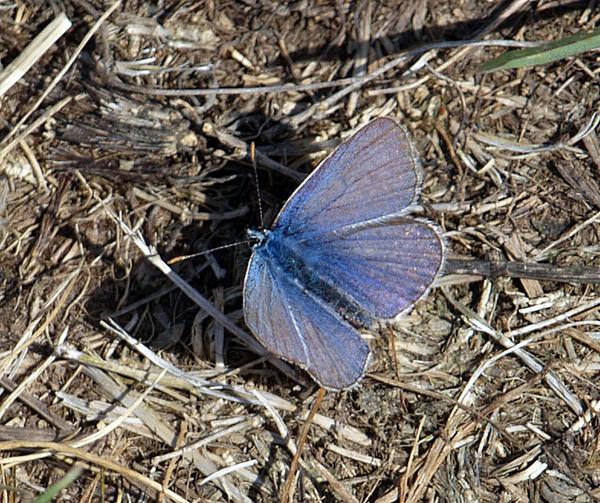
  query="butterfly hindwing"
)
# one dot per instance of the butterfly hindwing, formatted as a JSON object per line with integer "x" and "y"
{"x": 291, "y": 324}
{"x": 384, "y": 268}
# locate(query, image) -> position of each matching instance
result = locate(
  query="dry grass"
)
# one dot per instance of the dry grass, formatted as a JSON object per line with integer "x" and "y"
{"x": 485, "y": 392}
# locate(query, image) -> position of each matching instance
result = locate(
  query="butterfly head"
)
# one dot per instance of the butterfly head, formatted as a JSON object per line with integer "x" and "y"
{"x": 259, "y": 236}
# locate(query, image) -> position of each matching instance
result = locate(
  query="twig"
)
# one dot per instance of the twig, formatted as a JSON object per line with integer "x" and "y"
{"x": 293, "y": 88}
{"x": 529, "y": 270}
{"x": 287, "y": 490}
{"x": 33, "y": 52}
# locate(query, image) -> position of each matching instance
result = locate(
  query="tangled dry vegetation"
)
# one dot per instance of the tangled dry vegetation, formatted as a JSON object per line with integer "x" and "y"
{"x": 485, "y": 392}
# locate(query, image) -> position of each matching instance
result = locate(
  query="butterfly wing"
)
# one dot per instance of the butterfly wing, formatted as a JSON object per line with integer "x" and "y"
{"x": 296, "y": 327}
{"x": 346, "y": 224}
{"x": 373, "y": 174}
{"x": 384, "y": 268}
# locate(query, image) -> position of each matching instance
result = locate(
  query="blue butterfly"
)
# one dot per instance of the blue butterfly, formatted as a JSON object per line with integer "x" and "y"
{"x": 341, "y": 255}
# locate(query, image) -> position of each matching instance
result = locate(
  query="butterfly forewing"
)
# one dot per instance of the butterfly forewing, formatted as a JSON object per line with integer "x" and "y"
{"x": 371, "y": 175}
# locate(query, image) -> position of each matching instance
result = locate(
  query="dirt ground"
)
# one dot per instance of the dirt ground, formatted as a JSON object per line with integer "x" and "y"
{"x": 145, "y": 111}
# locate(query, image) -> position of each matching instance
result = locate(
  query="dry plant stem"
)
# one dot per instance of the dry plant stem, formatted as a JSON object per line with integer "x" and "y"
{"x": 170, "y": 470}
{"x": 214, "y": 389}
{"x": 392, "y": 341}
{"x": 200, "y": 216}
{"x": 338, "y": 487}
{"x": 279, "y": 423}
{"x": 442, "y": 446}
{"x": 217, "y": 315}
{"x": 31, "y": 378}
{"x": 509, "y": 9}
{"x": 201, "y": 301}
{"x": 403, "y": 481}
{"x": 264, "y": 160}
{"x": 296, "y": 120}
{"x": 292, "y": 88}
{"x": 61, "y": 450}
{"x": 97, "y": 435}
{"x": 455, "y": 430}
{"x": 586, "y": 418}
{"x": 357, "y": 456}
{"x": 34, "y": 51}
{"x": 287, "y": 491}
{"x": 218, "y": 390}
{"x": 103, "y": 432}
{"x": 541, "y": 254}
{"x": 251, "y": 422}
{"x": 531, "y": 270}
{"x": 241, "y": 473}
{"x": 441, "y": 397}
{"x": 218, "y": 331}
{"x": 199, "y": 387}
{"x": 162, "y": 429}
{"x": 35, "y": 124}
{"x": 537, "y": 148}
{"x": 530, "y": 361}
{"x": 579, "y": 180}
{"x": 58, "y": 77}
{"x": 226, "y": 470}
{"x": 185, "y": 452}
{"x": 31, "y": 334}
{"x": 593, "y": 147}
{"x": 312, "y": 466}
{"x": 591, "y": 306}
{"x": 361, "y": 54}
{"x": 35, "y": 166}
{"x": 39, "y": 407}
{"x": 46, "y": 227}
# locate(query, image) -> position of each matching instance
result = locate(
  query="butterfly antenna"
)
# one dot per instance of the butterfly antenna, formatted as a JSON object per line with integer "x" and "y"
{"x": 181, "y": 258}
{"x": 260, "y": 208}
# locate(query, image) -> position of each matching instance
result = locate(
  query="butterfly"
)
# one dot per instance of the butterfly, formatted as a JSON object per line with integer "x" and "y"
{"x": 343, "y": 255}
